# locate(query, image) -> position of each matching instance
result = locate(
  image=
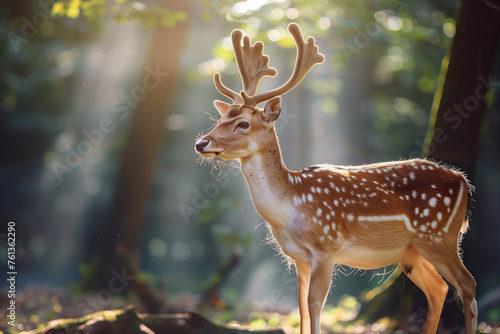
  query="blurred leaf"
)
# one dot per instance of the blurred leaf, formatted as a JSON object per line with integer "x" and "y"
{"x": 258, "y": 323}
{"x": 73, "y": 9}
{"x": 58, "y": 8}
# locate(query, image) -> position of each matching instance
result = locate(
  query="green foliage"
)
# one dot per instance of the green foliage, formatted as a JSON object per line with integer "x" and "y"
{"x": 122, "y": 10}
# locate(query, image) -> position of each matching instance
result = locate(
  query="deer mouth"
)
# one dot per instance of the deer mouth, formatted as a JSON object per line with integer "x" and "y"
{"x": 212, "y": 153}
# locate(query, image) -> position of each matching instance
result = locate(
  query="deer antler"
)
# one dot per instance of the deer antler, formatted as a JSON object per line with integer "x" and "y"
{"x": 235, "y": 97}
{"x": 307, "y": 56}
{"x": 253, "y": 66}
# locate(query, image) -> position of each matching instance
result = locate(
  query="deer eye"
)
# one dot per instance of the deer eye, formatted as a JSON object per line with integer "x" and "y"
{"x": 244, "y": 125}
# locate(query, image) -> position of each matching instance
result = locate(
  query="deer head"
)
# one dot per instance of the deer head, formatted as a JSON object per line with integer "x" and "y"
{"x": 243, "y": 129}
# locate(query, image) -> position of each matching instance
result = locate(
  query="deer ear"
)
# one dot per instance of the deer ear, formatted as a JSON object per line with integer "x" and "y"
{"x": 222, "y": 107}
{"x": 272, "y": 110}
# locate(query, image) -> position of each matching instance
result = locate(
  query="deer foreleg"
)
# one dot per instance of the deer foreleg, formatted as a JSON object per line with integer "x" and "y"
{"x": 321, "y": 277}
{"x": 304, "y": 277}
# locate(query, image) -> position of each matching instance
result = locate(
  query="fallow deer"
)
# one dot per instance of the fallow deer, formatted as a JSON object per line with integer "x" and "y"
{"x": 410, "y": 212}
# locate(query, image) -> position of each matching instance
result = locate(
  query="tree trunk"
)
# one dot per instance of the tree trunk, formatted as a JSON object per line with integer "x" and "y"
{"x": 460, "y": 101}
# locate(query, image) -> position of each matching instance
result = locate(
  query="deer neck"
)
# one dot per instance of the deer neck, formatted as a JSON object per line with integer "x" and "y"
{"x": 266, "y": 177}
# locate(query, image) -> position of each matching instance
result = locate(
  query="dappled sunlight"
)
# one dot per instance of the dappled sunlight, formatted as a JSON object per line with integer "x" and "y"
{"x": 81, "y": 84}
{"x": 78, "y": 161}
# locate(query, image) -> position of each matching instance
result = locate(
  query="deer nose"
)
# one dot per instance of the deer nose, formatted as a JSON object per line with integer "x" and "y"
{"x": 201, "y": 144}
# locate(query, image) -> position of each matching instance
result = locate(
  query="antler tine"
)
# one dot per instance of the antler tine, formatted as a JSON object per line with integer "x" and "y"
{"x": 252, "y": 63}
{"x": 235, "y": 97}
{"x": 307, "y": 56}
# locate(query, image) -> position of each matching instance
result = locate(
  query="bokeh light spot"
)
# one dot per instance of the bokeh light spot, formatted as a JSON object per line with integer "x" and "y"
{"x": 157, "y": 247}
{"x": 277, "y": 14}
{"x": 274, "y": 35}
{"x": 449, "y": 29}
{"x": 324, "y": 23}
{"x": 292, "y": 13}
{"x": 181, "y": 251}
{"x": 176, "y": 122}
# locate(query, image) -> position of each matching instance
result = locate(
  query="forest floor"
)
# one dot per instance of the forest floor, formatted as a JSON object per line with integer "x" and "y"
{"x": 36, "y": 306}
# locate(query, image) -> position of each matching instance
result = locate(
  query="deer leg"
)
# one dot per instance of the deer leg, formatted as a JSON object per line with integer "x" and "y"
{"x": 425, "y": 276}
{"x": 304, "y": 277}
{"x": 321, "y": 277}
{"x": 450, "y": 266}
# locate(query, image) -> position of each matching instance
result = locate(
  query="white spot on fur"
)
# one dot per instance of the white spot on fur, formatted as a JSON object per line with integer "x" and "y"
{"x": 326, "y": 229}
{"x": 447, "y": 201}
{"x": 439, "y": 216}
{"x": 412, "y": 176}
{"x": 434, "y": 224}
{"x": 403, "y": 218}
{"x": 457, "y": 205}
{"x": 350, "y": 217}
{"x": 309, "y": 197}
{"x": 424, "y": 196}
{"x": 432, "y": 202}
{"x": 319, "y": 212}
{"x": 426, "y": 212}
